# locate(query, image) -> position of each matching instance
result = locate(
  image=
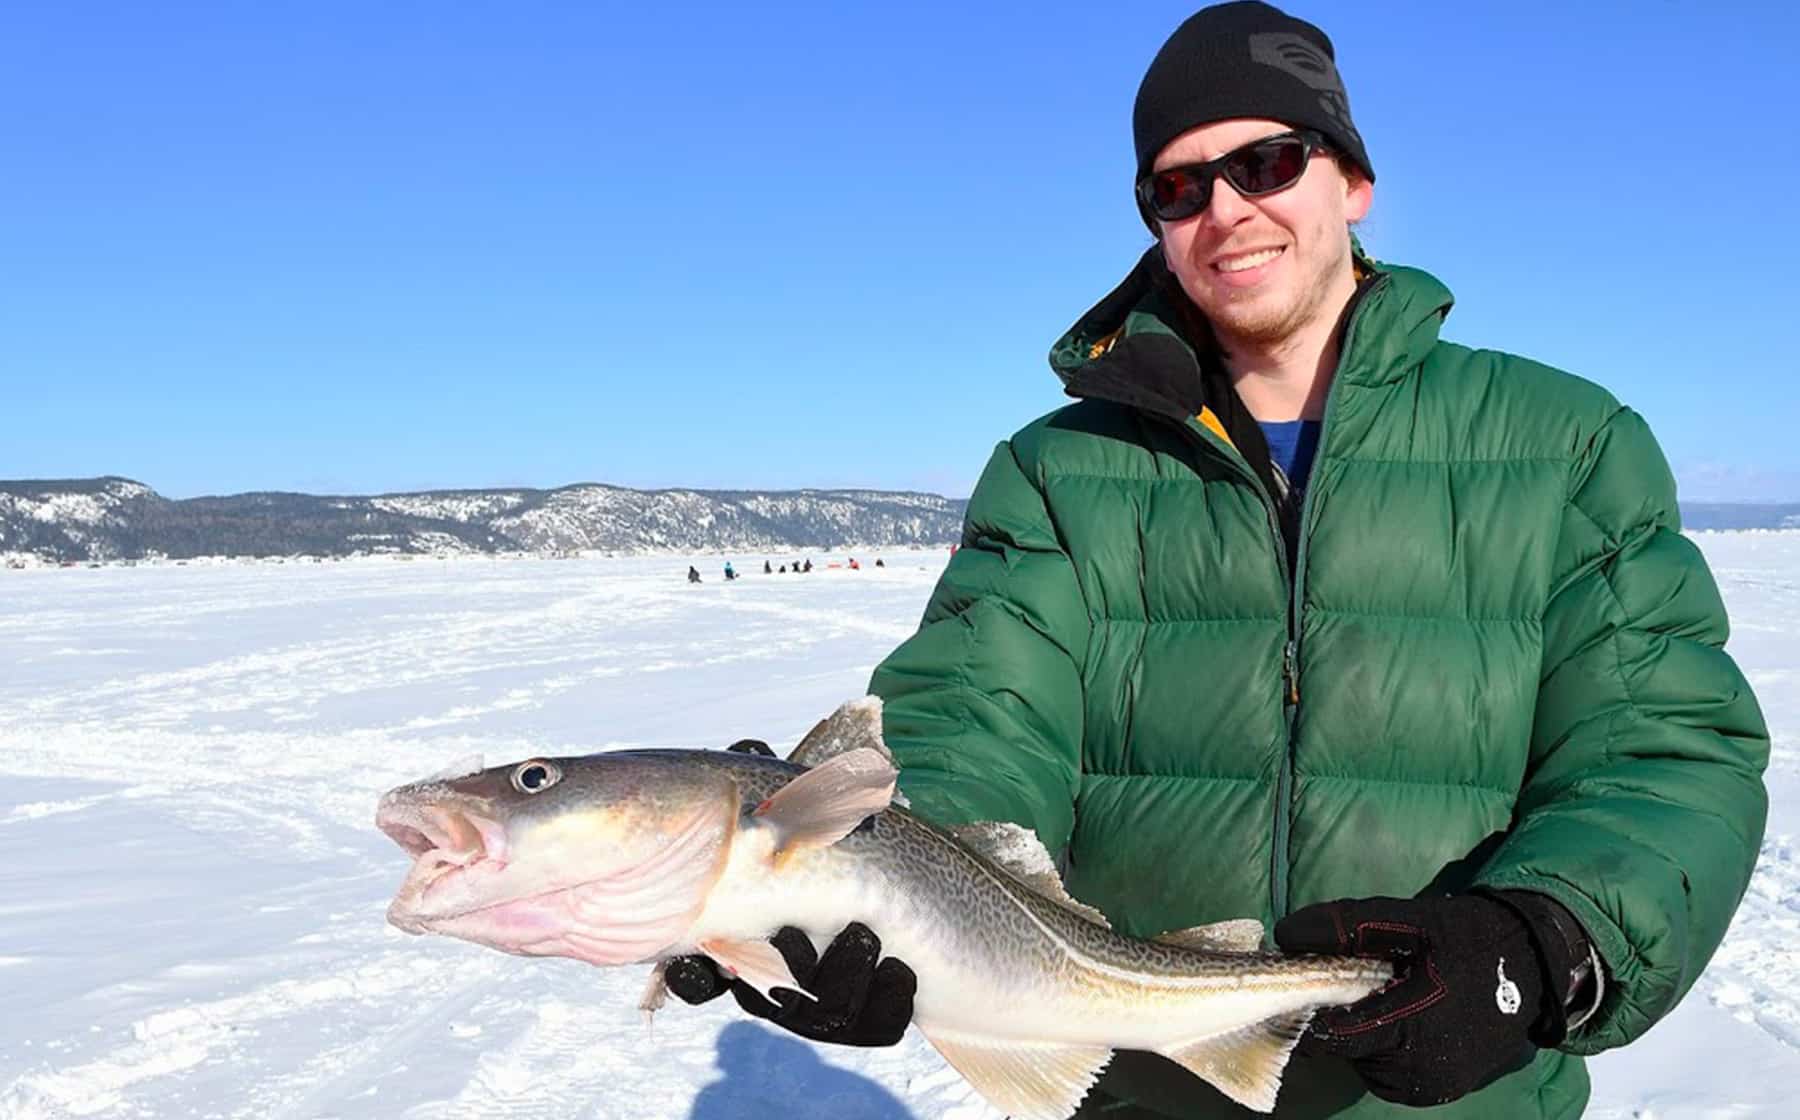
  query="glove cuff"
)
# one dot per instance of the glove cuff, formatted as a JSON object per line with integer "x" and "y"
{"x": 1567, "y": 958}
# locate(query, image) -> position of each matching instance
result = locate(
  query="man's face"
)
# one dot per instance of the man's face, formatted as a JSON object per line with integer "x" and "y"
{"x": 1260, "y": 269}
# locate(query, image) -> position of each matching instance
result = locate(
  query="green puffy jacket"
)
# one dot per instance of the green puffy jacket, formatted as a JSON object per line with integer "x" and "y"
{"x": 1495, "y": 662}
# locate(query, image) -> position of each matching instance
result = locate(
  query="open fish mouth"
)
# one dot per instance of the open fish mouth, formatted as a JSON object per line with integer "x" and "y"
{"x": 445, "y": 842}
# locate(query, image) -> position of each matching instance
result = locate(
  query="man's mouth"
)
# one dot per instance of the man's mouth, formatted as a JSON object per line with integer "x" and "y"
{"x": 1244, "y": 262}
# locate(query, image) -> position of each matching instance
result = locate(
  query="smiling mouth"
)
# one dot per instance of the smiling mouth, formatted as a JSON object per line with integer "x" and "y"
{"x": 1248, "y": 261}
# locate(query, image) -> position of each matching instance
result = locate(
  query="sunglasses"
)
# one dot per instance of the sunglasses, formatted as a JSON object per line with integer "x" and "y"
{"x": 1260, "y": 167}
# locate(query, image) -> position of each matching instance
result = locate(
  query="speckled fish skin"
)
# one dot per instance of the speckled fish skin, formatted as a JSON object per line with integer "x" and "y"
{"x": 646, "y": 855}
{"x": 995, "y": 957}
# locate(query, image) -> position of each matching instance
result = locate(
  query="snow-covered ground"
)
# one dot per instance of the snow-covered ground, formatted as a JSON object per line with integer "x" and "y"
{"x": 191, "y": 891}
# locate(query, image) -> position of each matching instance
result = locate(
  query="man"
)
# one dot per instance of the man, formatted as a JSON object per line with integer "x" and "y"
{"x": 1303, "y": 613}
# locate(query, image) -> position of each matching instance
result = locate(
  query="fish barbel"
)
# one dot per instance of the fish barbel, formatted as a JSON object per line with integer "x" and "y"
{"x": 644, "y": 855}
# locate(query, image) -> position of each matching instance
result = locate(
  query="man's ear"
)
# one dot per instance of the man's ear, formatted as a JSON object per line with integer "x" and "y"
{"x": 1359, "y": 195}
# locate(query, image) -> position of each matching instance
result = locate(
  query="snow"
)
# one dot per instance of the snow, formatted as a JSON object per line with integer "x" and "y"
{"x": 449, "y": 507}
{"x": 191, "y": 890}
{"x": 85, "y": 507}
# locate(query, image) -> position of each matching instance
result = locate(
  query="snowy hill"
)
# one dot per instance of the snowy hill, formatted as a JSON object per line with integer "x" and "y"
{"x": 80, "y": 520}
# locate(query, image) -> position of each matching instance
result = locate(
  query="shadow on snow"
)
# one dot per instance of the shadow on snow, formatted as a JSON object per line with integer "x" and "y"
{"x": 768, "y": 1074}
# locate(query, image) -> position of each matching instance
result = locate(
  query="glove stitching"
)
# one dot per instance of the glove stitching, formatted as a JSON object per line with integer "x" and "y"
{"x": 1439, "y": 991}
{"x": 1385, "y": 927}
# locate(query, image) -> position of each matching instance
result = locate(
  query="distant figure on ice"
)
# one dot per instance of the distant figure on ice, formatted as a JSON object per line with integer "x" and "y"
{"x": 783, "y": 569}
{"x": 878, "y": 563}
{"x": 693, "y": 574}
{"x": 729, "y": 574}
{"x": 854, "y": 566}
{"x": 808, "y": 567}
{"x": 766, "y": 569}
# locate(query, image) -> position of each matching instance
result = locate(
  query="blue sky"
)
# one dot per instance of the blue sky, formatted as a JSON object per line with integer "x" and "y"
{"x": 355, "y": 247}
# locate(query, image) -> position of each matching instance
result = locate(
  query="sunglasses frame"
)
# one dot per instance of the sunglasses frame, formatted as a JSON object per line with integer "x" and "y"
{"x": 1209, "y": 172}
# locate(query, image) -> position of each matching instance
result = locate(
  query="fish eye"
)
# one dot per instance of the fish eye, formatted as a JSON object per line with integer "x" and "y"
{"x": 535, "y": 776}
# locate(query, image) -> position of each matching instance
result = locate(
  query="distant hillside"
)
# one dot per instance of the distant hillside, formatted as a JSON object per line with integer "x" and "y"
{"x": 117, "y": 518}
{"x": 1740, "y": 515}
{"x": 113, "y": 518}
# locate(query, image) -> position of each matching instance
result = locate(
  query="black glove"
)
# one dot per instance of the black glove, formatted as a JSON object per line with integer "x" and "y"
{"x": 863, "y": 999}
{"x": 1471, "y": 999}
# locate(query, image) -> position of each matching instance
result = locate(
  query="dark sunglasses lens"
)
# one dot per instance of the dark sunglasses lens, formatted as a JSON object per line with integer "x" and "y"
{"x": 1262, "y": 168}
{"x": 1175, "y": 195}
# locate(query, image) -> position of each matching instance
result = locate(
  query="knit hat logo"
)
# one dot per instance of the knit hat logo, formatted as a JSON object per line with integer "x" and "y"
{"x": 1298, "y": 57}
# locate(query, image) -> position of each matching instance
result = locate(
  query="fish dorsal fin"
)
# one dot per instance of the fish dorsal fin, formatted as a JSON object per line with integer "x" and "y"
{"x": 1239, "y": 935}
{"x": 1245, "y": 1064}
{"x": 1016, "y": 850}
{"x": 854, "y": 726}
{"x": 825, "y": 804}
{"x": 1025, "y": 1080}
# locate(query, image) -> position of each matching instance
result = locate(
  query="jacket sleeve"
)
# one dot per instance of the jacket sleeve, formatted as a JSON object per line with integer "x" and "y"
{"x": 982, "y": 707}
{"x": 1643, "y": 805}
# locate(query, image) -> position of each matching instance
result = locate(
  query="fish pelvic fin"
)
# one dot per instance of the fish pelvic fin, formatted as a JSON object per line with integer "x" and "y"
{"x": 1016, "y": 850}
{"x": 1245, "y": 1064}
{"x": 1239, "y": 935}
{"x": 1025, "y": 1080}
{"x": 757, "y": 963}
{"x": 825, "y": 804}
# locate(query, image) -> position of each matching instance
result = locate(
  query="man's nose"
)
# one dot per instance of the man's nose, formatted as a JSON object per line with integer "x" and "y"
{"x": 1227, "y": 207}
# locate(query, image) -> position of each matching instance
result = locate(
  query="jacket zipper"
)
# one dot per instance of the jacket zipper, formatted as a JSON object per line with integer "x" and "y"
{"x": 1278, "y": 879}
{"x": 1290, "y": 679}
{"x": 1295, "y": 582}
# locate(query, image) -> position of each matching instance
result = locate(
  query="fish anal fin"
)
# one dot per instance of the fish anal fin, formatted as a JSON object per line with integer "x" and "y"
{"x": 856, "y": 725}
{"x": 825, "y": 804}
{"x": 757, "y": 963}
{"x": 1025, "y": 1080}
{"x": 1016, "y": 850}
{"x": 1239, "y": 935}
{"x": 1245, "y": 1064}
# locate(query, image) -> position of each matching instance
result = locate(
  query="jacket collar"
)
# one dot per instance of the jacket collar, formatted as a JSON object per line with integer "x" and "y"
{"x": 1142, "y": 345}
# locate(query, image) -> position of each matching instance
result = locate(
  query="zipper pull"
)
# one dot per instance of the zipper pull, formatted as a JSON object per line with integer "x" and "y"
{"x": 1290, "y": 671}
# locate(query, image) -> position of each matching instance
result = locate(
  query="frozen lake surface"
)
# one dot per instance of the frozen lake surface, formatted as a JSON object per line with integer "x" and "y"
{"x": 192, "y": 893}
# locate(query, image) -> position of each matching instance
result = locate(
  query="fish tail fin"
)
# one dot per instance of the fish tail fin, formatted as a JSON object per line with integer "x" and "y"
{"x": 1245, "y": 1064}
{"x": 825, "y": 804}
{"x": 1025, "y": 1080}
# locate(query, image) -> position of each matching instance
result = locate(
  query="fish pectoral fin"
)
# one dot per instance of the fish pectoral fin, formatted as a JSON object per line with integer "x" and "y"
{"x": 656, "y": 993}
{"x": 1245, "y": 1064}
{"x": 1239, "y": 935}
{"x": 825, "y": 804}
{"x": 1025, "y": 1080}
{"x": 757, "y": 963}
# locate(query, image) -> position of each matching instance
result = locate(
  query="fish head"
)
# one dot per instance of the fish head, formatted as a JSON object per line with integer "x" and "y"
{"x": 606, "y": 858}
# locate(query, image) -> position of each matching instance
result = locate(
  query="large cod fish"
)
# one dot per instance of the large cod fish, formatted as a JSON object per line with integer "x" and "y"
{"x": 640, "y": 856}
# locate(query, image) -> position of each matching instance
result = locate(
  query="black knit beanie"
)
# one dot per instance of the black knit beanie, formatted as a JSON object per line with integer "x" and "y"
{"x": 1243, "y": 59}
